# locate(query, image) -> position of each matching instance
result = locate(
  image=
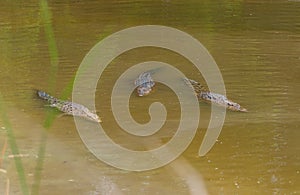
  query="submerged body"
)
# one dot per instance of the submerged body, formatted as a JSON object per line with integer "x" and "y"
{"x": 203, "y": 94}
{"x": 68, "y": 107}
{"x": 144, "y": 84}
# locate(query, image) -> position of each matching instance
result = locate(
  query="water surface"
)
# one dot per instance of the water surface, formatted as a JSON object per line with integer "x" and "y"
{"x": 256, "y": 45}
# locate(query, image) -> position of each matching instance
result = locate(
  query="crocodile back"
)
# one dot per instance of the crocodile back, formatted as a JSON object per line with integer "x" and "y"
{"x": 75, "y": 109}
{"x": 68, "y": 107}
{"x": 64, "y": 106}
{"x": 221, "y": 100}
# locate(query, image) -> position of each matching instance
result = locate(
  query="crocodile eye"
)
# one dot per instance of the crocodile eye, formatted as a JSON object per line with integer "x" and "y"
{"x": 146, "y": 91}
{"x": 140, "y": 91}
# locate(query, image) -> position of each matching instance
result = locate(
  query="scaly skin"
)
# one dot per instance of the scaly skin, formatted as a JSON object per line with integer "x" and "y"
{"x": 203, "y": 94}
{"x": 144, "y": 84}
{"x": 68, "y": 107}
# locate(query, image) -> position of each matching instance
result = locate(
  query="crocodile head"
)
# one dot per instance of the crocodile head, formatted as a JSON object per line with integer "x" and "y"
{"x": 143, "y": 91}
{"x": 145, "y": 88}
{"x": 236, "y": 107}
{"x": 93, "y": 117}
{"x": 79, "y": 110}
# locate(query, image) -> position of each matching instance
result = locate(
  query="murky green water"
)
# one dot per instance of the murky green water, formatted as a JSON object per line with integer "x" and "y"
{"x": 256, "y": 45}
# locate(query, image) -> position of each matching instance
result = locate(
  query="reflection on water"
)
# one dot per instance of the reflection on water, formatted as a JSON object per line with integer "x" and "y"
{"x": 256, "y": 46}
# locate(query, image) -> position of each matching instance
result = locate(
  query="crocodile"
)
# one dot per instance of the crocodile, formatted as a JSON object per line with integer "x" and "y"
{"x": 144, "y": 84}
{"x": 203, "y": 94}
{"x": 68, "y": 107}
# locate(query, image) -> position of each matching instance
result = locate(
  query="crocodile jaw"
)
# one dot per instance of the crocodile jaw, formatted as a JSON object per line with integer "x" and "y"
{"x": 94, "y": 117}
